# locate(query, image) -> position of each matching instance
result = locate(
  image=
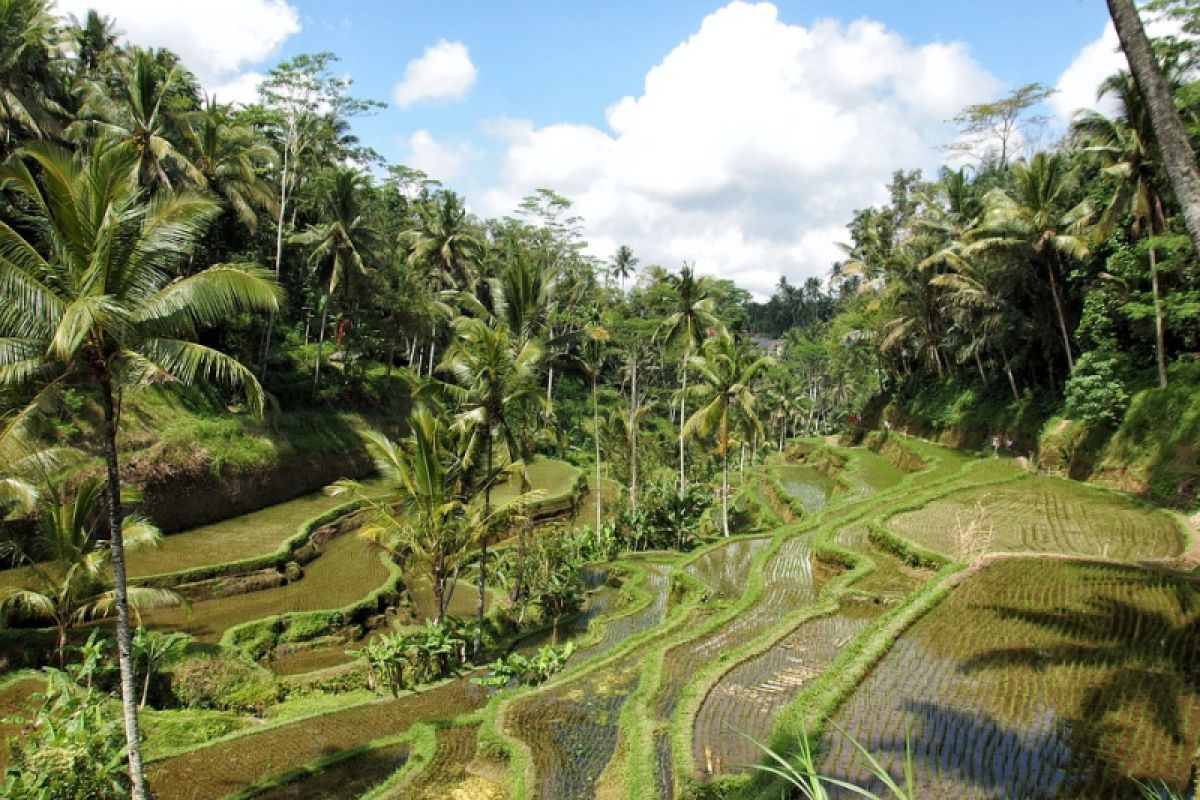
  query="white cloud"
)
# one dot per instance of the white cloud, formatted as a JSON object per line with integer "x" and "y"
{"x": 444, "y": 71}
{"x": 443, "y": 161}
{"x": 750, "y": 145}
{"x": 215, "y": 39}
{"x": 1097, "y": 60}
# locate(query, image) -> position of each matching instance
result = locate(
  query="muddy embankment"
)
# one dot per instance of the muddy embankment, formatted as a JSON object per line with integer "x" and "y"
{"x": 183, "y": 495}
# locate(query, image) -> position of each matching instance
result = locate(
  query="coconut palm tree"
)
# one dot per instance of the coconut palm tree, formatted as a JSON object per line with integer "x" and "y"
{"x": 339, "y": 246}
{"x": 593, "y": 362}
{"x": 230, "y": 159}
{"x": 1036, "y": 224}
{"x": 27, "y": 94}
{"x": 1127, "y": 150}
{"x": 726, "y": 372}
{"x": 94, "y": 40}
{"x": 624, "y": 264}
{"x": 68, "y": 567}
{"x": 422, "y": 515}
{"x": 447, "y": 246}
{"x": 136, "y": 111}
{"x": 494, "y": 386}
{"x": 1172, "y": 137}
{"x": 87, "y": 299}
{"x": 687, "y": 326}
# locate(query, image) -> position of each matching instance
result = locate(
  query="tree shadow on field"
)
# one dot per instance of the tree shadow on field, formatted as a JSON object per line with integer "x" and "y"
{"x": 1146, "y": 661}
{"x": 954, "y": 748}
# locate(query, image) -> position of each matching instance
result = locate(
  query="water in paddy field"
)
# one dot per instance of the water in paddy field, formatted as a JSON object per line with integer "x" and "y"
{"x": 811, "y": 487}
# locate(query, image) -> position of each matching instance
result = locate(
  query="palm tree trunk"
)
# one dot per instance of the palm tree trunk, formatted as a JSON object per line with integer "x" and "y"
{"x": 1169, "y": 132}
{"x": 1012, "y": 382}
{"x": 145, "y": 686}
{"x": 979, "y": 364}
{"x": 283, "y": 181}
{"x": 1158, "y": 322}
{"x": 682, "y": 418}
{"x": 133, "y": 740}
{"x": 725, "y": 487}
{"x": 321, "y": 342}
{"x": 633, "y": 437}
{"x": 1062, "y": 317}
{"x": 549, "y": 385}
{"x": 596, "y": 441}
{"x": 483, "y": 543}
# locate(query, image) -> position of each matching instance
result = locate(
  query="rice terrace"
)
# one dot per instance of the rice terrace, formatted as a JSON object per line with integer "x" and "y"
{"x": 764, "y": 401}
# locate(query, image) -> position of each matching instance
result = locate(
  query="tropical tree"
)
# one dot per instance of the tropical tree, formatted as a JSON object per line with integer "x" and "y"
{"x": 339, "y": 246}
{"x": 1178, "y": 156}
{"x": 153, "y": 649}
{"x": 422, "y": 515}
{"x": 726, "y": 372}
{"x": 230, "y": 160}
{"x": 446, "y": 245}
{"x": 593, "y": 362}
{"x": 624, "y": 264}
{"x": 693, "y": 316}
{"x": 27, "y": 92}
{"x": 1126, "y": 149}
{"x": 1037, "y": 224}
{"x": 137, "y": 111}
{"x": 68, "y": 567}
{"x": 87, "y": 298}
{"x": 494, "y": 386}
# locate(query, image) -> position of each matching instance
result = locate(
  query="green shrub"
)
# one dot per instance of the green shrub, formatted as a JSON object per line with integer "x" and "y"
{"x": 228, "y": 681}
{"x": 74, "y": 742}
{"x": 1095, "y": 392}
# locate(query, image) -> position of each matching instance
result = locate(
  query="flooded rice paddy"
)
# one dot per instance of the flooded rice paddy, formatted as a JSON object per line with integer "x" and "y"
{"x": 1046, "y": 679}
{"x": 1037, "y": 679}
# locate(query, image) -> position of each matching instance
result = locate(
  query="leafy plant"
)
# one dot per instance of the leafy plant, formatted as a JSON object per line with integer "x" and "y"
{"x": 548, "y": 661}
{"x": 73, "y": 744}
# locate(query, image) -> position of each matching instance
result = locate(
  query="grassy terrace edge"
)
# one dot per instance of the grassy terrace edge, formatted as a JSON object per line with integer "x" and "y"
{"x": 640, "y": 773}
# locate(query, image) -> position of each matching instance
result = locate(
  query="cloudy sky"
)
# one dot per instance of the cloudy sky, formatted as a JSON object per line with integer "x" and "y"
{"x": 737, "y": 136}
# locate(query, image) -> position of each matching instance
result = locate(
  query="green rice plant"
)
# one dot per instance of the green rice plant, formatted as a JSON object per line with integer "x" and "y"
{"x": 802, "y": 772}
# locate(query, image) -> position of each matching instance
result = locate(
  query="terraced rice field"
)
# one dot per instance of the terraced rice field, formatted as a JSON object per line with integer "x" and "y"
{"x": 247, "y": 759}
{"x": 1046, "y": 515}
{"x": 1038, "y": 678}
{"x": 348, "y": 570}
{"x": 447, "y": 774}
{"x": 811, "y": 487}
{"x": 571, "y": 731}
{"x": 350, "y": 778}
{"x": 1035, "y": 678}
{"x": 571, "y": 728}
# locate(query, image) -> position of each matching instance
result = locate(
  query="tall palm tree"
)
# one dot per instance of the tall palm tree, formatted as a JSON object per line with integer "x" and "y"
{"x": 87, "y": 298}
{"x": 1172, "y": 137}
{"x": 229, "y": 160}
{"x": 338, "y": 246}
{"x": 27, "y": 97}
{"x": 1126, "y": 149}
{"x": 1037, "y": 224}
{"x": 447, "y": 246}
{"x": 687, "y": 326}
{"x": 94, "y": 40}
{"x": 136, "y": 111}
{"x": 593, "y": 361}
{"x": 495, "y": 387}
{"x": 726, "y": 372}
{"x": 68, "y": 566}
{"x": 624, "y": 264}
{"x": 976, "y": 297}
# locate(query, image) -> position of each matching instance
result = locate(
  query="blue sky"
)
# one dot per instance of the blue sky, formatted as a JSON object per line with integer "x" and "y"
{"x": 736, "y": 136}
